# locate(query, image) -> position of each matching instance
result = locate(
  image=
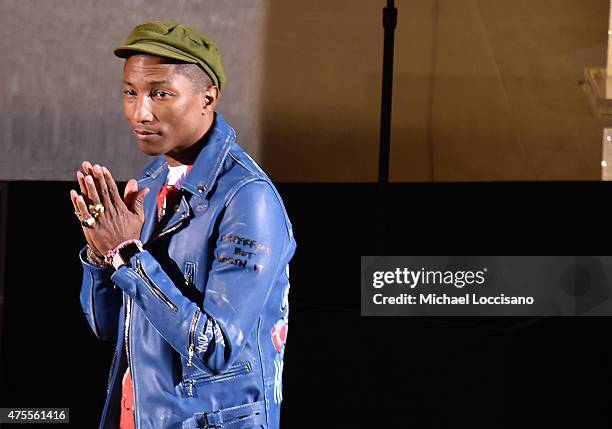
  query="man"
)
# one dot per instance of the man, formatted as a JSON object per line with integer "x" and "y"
{"x": 199, "y": 311}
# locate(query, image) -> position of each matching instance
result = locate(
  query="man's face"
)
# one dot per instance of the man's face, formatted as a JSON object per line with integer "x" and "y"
{"x": 164, "y": 111}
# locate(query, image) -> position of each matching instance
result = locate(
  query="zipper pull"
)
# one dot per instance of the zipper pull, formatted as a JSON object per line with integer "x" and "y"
{"x": 190, "y": 356}
{"x": 192, "y": 328}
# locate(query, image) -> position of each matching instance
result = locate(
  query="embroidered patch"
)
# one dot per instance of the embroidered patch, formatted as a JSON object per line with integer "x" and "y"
{"x": 279, "y": 335}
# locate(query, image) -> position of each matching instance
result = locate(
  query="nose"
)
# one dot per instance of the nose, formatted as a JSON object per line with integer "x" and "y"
{"x": 143, "y": 112}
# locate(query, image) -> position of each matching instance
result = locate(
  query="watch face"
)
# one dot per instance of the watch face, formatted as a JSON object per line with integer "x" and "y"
{"x": 127, "y": 251}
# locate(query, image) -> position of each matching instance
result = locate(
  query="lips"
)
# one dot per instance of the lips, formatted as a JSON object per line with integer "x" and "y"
{"x": 143, "y": 134}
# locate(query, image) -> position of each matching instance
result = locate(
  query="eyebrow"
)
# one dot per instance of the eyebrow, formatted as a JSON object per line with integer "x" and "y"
{"x": 154, "y": 82}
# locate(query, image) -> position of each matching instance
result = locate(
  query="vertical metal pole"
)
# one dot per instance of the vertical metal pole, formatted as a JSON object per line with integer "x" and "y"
{"x": 606, "y": 162}
{"x": 389, "y": 24}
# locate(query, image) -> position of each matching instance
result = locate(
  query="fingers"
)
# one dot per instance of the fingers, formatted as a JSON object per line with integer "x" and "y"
{"x": 87, "y": 167}
{"x": 79, "y": 204}
{"x": 130, "y": 188}
{"x": 139, "y": 202}
{"x": 91, "y": 190}
{"x": 73, "y": 196}
{"x": 130, "y": 193}
{"x": 112, "y": 188}
{"x": 80, "y": 175}
{"x": 98, "y": 186}
{"x": 102, "y": 188}
{"x": 81, "y": 179}
{"x": 134, "y": 198}
{"x": 86, "y": 170}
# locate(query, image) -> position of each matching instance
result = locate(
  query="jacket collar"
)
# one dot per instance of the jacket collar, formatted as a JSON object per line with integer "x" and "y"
{"x": 208, "y": 163}
{"x": 198, "y": 182}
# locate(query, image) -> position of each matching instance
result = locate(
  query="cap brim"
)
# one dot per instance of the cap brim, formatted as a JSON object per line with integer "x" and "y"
{"x": 153, "y": 48}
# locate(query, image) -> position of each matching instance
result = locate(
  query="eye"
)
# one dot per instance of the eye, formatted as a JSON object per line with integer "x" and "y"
{"x": 161, "y": 94}
{"x": 129, "y": 92}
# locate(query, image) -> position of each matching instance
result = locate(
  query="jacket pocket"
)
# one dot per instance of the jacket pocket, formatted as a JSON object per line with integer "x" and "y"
{"x": 192, "y": 381}
{"x": 246, "y": 416}
{"x": 140, "y": 271}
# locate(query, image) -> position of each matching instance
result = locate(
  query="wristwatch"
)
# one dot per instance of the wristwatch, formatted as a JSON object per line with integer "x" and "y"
{"x": 124, "y": 253}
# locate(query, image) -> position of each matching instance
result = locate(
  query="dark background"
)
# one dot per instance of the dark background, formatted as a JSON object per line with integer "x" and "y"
{"x": 342, "y": 370}
{"x": 484, "y": 90}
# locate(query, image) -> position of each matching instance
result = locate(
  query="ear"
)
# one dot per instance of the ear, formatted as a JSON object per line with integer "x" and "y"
{"x": 209, "y": 99}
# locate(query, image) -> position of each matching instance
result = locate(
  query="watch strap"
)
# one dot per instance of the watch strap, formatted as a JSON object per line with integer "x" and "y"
{"x": 122, "y": 254}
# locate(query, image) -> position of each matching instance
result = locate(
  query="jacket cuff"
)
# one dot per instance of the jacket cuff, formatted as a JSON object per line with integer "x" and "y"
{"x": 98, "y": 273}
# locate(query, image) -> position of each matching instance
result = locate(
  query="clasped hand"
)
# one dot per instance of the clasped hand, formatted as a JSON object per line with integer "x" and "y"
{"x": 121, "y": 220}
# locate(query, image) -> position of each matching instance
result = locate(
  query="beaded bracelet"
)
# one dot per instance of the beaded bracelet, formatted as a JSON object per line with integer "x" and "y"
{"x": 95, "y": 259}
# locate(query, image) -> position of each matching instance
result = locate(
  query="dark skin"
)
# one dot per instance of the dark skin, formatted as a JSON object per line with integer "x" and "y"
{"x": 168, "y": 116}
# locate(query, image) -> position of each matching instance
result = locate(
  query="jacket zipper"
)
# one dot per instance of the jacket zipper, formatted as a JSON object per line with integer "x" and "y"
{"x": 169, "y": 230}
{"x": 190, "y": 384}
{"x": 233, "y": 371}
{"x": 110, "y": 372}
{"x": 194, "y": 323}
{"x": 152, "y": 287}
{"x": 166, "y": 231}
{"x": 128, "y": 318}
{"x": 128, "y": 313}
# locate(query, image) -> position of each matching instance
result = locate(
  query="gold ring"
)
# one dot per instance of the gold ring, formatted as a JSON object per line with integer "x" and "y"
{"x": 88, "y": 223}
{"x": 95, "y": 210}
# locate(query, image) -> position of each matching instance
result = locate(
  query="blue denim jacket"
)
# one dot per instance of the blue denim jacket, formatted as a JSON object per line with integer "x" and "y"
{"x": 203, "y": 309}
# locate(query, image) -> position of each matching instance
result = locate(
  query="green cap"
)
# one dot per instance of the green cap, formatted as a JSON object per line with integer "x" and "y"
{"x": 177, "y": 41}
